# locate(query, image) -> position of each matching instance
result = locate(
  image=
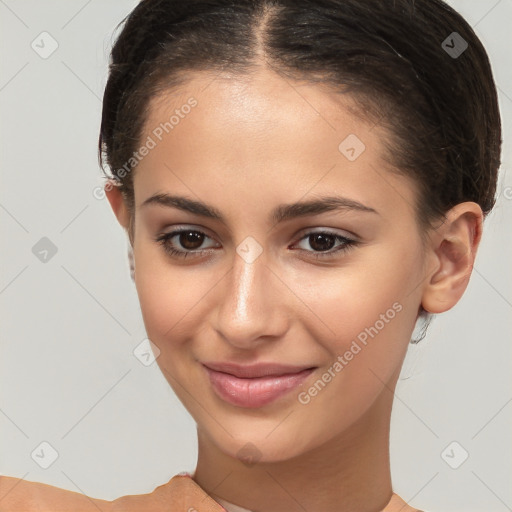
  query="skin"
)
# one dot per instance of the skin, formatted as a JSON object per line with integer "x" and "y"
{"x": 250, "y": 144}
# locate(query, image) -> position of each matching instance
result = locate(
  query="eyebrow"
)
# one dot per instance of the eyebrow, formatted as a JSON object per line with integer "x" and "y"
{"x": 281, "y": 213}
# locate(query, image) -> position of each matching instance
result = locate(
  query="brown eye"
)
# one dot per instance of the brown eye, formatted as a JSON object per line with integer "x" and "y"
{"x": 188, "y": 242}
{"x": 323, "y": 244}
{"x": 191, "y": 240}
{"x": 183, "y": 242}
{"x": 321, "y": 241}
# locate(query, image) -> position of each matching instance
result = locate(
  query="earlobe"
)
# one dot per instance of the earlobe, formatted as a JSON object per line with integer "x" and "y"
{"x": 454, "y": 247}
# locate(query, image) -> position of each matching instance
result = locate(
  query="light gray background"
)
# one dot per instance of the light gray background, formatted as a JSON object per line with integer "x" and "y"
{"x": 69, "y": 326}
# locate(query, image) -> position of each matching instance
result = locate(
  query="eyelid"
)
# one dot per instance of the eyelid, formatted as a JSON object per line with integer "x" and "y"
{"x": 298, "y": 237}
{"x": 348, "y": 242}
{"x": 178, "y": 228}
{"x": 333, "y": 231}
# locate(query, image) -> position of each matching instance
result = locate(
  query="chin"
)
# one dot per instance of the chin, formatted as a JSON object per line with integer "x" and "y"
{"x": 253, "y": 446}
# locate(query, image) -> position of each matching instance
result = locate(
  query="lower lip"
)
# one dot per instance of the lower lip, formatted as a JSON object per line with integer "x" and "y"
{"x": 257, "y": 391}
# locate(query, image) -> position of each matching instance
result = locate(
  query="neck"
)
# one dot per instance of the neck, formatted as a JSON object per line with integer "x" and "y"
{"x": 349, "y": 472}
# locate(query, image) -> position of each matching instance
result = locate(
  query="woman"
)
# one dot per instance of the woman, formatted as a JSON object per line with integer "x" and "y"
{"x": 302, "y": 182}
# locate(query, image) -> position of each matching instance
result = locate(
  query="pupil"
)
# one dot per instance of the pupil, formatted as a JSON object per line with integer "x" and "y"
{"x": 318, "y": 241}
{"x": 325, "y": 240}
{"x": 189, "y": 238}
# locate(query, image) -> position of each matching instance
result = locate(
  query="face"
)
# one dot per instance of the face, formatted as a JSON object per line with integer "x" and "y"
{"x": 333, "y": 289}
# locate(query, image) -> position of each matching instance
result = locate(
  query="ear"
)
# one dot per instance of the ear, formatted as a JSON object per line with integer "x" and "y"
{"x": 453, "y": 251}
{"x": 117, "y": 202}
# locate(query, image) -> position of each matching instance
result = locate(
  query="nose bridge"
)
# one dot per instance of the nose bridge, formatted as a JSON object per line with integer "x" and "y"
{"x": 247, "y": 308}
{"x": 249, "y": 267}
{"x": 244, "y": 285}
{"x": 242, "y": 295}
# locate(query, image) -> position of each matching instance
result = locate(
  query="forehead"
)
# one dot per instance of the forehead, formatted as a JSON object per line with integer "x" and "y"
{"x": 264, "y": 131}
{"x": 262, "y": 102}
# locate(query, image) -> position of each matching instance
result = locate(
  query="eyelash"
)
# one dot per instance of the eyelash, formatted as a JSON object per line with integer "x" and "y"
{"x": 347, "y": 243}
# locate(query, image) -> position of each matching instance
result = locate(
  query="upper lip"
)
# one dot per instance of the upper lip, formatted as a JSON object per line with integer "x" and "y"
{"x": 255, "y": 370}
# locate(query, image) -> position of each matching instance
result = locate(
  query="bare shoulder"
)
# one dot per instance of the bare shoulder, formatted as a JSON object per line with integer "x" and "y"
{"x": 398, "y": 504}
{"x": 20, "y": 495}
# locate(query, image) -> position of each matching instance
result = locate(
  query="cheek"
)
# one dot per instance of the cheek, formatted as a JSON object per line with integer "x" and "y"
{"x": 371, "y": 318}
{"x": 172, "y": 299}
{"x": 368, "y": 301}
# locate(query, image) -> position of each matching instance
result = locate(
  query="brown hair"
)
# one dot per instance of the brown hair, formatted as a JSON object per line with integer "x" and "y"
{"x": 405, "y": 62}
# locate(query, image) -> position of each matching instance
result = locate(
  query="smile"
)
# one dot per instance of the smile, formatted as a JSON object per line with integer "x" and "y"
{"x": 254, "y": 391}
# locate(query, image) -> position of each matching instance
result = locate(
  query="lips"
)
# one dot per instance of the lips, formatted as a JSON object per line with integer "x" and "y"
{"x": 255, "y": 385}
{"x": 255, "y": 370}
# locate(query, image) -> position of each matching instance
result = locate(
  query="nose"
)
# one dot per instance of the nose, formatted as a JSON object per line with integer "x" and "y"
{"x": 252, "y": 305}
